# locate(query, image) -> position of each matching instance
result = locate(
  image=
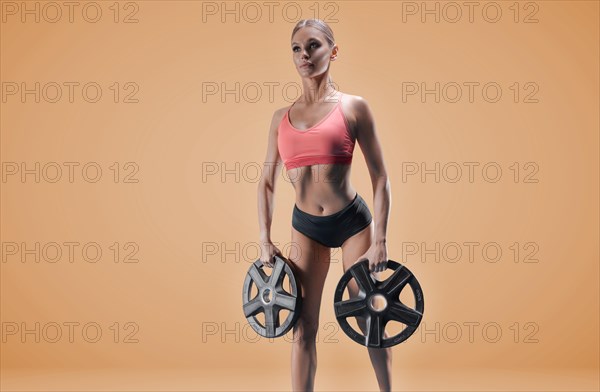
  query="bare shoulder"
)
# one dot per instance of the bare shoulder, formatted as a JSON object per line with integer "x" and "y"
{"x": 355, "y": 103}
{"x": 279, "y": 113}
{"x": 356, "y": 110}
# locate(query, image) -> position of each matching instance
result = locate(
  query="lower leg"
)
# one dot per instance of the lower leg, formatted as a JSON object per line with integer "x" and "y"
{"x": 304, "y": 363}
{"x": 381, "y": 359}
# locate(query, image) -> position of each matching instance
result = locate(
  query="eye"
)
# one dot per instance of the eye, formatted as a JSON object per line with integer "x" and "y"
{"x": 312, "y": 45}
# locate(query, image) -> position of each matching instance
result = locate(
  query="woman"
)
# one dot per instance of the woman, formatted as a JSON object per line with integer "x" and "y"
{"x": 315, "y": 138}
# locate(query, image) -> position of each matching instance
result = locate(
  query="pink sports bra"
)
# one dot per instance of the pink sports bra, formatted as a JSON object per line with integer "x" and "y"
{"x": 328, "y": 141}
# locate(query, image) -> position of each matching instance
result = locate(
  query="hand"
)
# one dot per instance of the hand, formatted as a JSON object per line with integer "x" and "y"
{"x": 268, "y": 250}
{"x": 377, "y": 256}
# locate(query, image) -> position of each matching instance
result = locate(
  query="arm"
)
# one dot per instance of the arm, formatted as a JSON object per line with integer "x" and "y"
{"x": 366, "y": 137}
{"x": 268, "y": 180}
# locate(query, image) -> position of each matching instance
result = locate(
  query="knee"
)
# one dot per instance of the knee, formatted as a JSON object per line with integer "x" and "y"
{"x": 305, "y": 332}
{"x": 362, "y": 324}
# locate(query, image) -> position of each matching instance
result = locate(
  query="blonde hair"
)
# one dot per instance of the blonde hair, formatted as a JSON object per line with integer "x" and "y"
{"x": 320, "y": 25}
{"x": 316, "y": 23}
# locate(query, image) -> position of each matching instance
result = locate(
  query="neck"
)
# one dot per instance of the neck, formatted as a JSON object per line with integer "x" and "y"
{"x": 316, "y": 90}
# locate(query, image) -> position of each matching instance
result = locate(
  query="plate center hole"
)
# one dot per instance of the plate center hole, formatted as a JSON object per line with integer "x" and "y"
{"x": 267, "y": 295}
{"x": 378, "y": 302}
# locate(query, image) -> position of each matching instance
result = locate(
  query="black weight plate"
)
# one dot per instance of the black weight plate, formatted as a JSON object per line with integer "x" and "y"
{"x": 271, "y": 286}
{"x": 376, "y": 320}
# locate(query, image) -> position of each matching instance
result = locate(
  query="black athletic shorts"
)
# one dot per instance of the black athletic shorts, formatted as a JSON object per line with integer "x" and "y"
{"x": 332, "y": 230}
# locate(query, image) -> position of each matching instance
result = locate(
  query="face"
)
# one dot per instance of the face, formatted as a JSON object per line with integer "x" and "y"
{"x": 311, "y": 51}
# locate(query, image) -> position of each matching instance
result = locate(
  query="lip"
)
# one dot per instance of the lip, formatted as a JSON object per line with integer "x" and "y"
{"x": 305, "y": 65}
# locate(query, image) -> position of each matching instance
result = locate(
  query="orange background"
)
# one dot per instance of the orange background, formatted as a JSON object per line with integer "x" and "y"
{"x": 197, "y": 232}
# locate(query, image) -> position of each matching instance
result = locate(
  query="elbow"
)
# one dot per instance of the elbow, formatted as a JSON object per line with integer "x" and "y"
{"x": 382, "y": 179}
{"x": 383, "y": 183}
{"x": 264, "y": 186}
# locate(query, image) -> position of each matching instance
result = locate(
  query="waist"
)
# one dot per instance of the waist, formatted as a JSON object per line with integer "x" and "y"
{"x": 327, "y": 207}
{"x": 320, "y": 183}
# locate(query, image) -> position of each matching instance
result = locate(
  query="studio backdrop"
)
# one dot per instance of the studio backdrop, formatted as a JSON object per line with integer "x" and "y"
{"x": 133, "y": 136}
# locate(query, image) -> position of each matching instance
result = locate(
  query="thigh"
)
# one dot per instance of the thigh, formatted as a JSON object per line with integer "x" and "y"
{"x": 353, "y": 248}
{"x": 312, "y": 264}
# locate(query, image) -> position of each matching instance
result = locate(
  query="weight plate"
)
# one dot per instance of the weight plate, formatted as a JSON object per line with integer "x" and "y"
{"x": 271, "y": 298}
{"x": 376, "y": 319}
